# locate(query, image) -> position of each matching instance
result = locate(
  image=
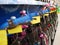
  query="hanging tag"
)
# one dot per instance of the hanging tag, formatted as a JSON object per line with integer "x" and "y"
{"x": 3, "y": 37}
{"x": 17, "y": 29}
{"x": 35, "y": 20}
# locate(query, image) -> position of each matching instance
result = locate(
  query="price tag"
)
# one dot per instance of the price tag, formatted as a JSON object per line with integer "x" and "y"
{"x": 3, "y": 37}
{"x": 17, "y": 29}
{"x": 35, "y": 20}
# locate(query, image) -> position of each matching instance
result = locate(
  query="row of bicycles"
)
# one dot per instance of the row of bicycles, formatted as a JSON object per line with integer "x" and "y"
{"x": 40, "y": 30}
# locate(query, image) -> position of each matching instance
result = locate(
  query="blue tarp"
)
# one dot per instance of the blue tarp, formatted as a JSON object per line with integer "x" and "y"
{"x": 6, "y": 15}
{"x": 26, "y": 18}
{"x": 17, "y": 21}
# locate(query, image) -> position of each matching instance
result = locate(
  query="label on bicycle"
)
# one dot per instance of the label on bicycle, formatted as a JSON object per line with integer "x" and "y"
{"x": 3, "y": 37}
{"x": 17, "y": 29}
{"x": 35, "y": 20}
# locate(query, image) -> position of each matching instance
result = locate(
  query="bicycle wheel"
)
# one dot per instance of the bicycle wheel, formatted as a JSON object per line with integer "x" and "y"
{"x": 44, "y": 39}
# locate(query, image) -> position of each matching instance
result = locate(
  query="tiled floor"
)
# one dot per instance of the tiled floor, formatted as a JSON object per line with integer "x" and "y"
{"x": 57, "y": 37}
